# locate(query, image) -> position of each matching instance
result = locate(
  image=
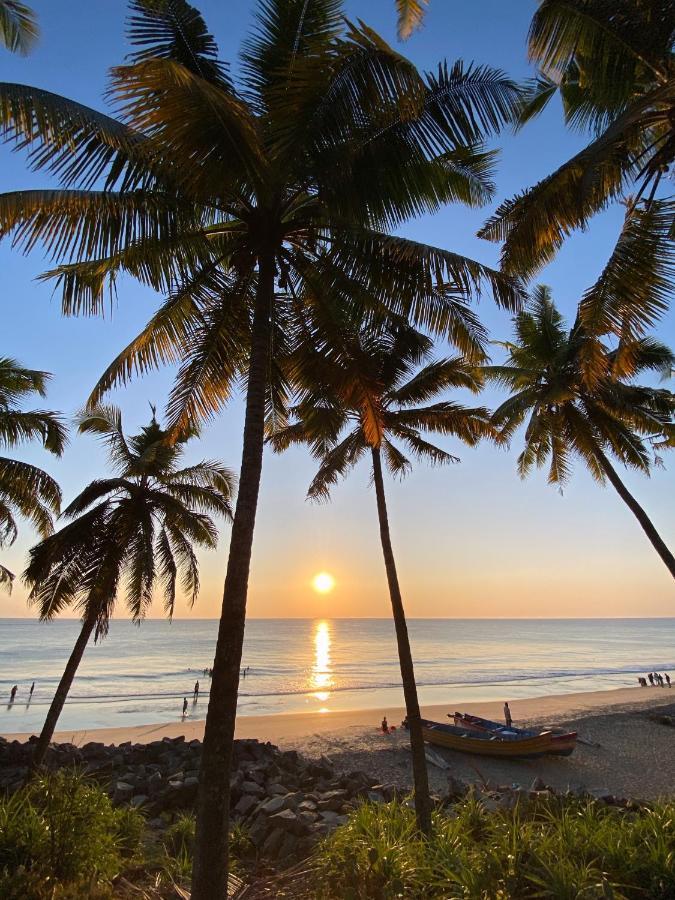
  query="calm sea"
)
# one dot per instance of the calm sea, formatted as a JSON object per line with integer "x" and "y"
{"x": 140, "y": 674}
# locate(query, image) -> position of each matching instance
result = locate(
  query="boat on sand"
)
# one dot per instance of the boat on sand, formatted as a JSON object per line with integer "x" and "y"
{"x": 510, "y": 743}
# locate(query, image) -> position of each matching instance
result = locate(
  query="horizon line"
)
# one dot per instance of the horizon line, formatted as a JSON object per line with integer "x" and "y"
{"x": 348, "y": 618}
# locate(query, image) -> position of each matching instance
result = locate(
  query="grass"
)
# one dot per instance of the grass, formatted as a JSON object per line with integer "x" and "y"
{"x": 61, "y": 837}
{"x": 559, "y": 848}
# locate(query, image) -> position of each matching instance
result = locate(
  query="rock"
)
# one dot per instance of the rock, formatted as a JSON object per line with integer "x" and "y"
{"x": 273, "y": 842}
{"x": 123, "y": 792}
{"x": 277, "y": 788}
{"x": 252, "y": 788}
{"x": 538, "y": 784}
{"x": 154, "y": 783}
{"x": 333, "y": 800}
{"x": 307, "y": 806}
{"x": 289, "y": 821}
{"x": 601, "y": 793}
{"x": 139, "y": 800}
{"x": 456, "y": 787}
{"x": 272, "y": 806}
{"x": 245, "y": 805}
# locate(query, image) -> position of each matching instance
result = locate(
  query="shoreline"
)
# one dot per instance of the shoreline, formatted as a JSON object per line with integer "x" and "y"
{"x": 291, "y": 727}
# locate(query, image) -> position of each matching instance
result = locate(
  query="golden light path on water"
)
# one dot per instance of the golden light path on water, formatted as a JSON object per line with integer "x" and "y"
{"x": 322, "y": 678}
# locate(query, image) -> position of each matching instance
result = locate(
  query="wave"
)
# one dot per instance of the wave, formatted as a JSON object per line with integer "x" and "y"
{"x": 482, "y": 680}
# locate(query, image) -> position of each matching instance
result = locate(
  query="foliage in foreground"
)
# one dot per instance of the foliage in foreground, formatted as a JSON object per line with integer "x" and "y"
{"x": 177, "y": 846}
{"x": 61, "y": 837}
{"x": 562, "y": 848}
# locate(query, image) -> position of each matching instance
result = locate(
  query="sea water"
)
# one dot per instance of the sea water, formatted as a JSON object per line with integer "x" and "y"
{"x": 140, "y": 674}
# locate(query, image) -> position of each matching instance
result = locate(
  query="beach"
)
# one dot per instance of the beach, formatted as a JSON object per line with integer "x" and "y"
{"x": 623, "y": 750}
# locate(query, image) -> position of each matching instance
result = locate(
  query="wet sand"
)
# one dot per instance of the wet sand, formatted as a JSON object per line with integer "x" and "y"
{"x": 622, "y": 750}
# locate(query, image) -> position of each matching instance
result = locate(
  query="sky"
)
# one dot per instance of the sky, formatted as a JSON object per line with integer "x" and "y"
{"x": 471, "y": 540}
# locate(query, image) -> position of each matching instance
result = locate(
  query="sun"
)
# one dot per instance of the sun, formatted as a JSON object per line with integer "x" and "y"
{"x": 323, "y": 583}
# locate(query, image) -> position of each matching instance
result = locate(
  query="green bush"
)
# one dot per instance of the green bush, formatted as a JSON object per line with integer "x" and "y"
{"x": 557, "y": 848}
{"x": 60, "y": 833}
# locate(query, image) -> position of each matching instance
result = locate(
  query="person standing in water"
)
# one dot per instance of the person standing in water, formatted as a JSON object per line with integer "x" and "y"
{"x": 196, "y": 691}
{"x": 32, "y": 688}
{"x": 185, "y": 706}
{"x": 12, "y": 693}
{"x": 507, "y": 716}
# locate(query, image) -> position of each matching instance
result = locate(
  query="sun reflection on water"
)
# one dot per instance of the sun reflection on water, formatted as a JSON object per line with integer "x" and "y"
{"x": 322, "y": 677}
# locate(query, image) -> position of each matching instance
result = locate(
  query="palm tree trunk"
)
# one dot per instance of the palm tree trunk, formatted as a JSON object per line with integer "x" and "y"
{"x": 210, "y": 867}
{"x": 638, "y": 512}
{"x": 412, "y": 706}
{"x": 62, "y": 692}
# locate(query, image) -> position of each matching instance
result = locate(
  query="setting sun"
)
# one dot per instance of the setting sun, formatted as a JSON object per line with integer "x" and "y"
{"x": 323, "y": 583}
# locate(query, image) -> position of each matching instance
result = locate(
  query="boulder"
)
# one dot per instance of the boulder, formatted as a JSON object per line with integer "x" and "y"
{"x": 245, "y": 805}
{"x": 272, "y": 806}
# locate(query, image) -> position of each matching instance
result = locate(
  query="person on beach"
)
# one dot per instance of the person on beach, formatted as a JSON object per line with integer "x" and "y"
{"x": 650, "y": 676}
{"x": 660, "y": 679}
{"x": 385, "y": 725}
{"x": 507, "y": 716}
{"x": 667, "y": 676}
{"x": 185, "y": 706}
{"x": 196, "y": 691}
{"x": 12, "y": 693}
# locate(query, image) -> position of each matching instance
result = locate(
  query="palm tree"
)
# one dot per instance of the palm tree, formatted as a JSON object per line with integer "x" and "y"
{"x": 25, "y": 489}
{"x": 612, "y": 65}
{"x": 18, "y": 26}
{"x": 568, "y": 414}
{"x": 137, "y": 529}
{"x": 370, "y": 385}
{"x": 231, "y": 200}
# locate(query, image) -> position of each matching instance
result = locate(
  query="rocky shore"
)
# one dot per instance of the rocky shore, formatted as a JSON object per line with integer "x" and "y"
{"x": 286, "y": 801}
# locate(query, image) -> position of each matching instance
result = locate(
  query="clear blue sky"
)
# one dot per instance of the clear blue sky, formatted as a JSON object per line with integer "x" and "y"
{"x": 472, "y": 539}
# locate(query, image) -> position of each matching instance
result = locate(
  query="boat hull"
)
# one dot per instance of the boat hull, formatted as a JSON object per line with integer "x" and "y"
{"x": 561, "y": 743}
{"x": 486, "y": 744}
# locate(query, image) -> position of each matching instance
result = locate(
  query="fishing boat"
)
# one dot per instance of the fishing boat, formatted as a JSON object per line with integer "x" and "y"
{"x": 562, "y": 743}
{"x": 485, "y": 743}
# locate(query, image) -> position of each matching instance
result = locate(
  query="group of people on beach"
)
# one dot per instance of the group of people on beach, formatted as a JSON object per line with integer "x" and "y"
{"x": 243, "y": 672}
{"x": 655, "y": 680}
{"x": 13, "y": 693}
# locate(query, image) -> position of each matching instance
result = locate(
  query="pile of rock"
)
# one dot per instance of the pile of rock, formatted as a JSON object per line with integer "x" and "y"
{"x": 286, "y": 802}
{"x": 494, "y": 796}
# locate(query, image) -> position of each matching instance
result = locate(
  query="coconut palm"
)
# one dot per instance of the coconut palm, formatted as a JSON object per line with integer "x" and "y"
{"x": 363, "y": 395}
{"x": 569, "y": 415}
{"x": 24, "y": 489}
{"x": 18, "y": 26}
{"x": 131, "y": 533}
{"x": 613, "y": 66}
{"x": 212, "y": 191}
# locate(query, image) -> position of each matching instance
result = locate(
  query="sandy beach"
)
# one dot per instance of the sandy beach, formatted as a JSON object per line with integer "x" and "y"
{"x": 622, "y": 748}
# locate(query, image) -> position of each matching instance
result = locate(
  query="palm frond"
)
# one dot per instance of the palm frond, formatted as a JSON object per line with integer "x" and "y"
{"x": 335, "y": 465}
{"x": 18, "y": 26}
{"x": 634, "y": 288}
{"x": 410, "y": 16}
{"x": 78, "y": 145}
{"x": 174, "y": 29}
{"x": 6, "y": 579}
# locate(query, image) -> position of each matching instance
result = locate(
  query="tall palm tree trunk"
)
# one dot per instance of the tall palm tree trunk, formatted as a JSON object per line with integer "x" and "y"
{"x": 62, "y": 691}
{"x": 638, "y": 512}
{"x": 412, "y": 706}
{"x": 210, "y": 868}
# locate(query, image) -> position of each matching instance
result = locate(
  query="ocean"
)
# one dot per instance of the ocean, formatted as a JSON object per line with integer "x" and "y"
{"x": 140, "y": 674}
